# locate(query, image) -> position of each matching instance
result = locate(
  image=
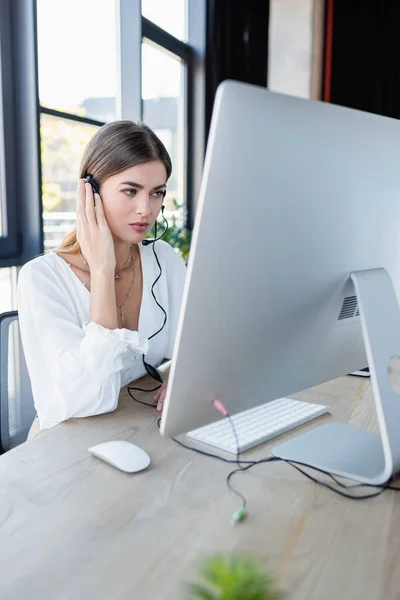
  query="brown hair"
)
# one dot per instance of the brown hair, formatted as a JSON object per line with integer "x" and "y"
{"x": 113, "y": 148}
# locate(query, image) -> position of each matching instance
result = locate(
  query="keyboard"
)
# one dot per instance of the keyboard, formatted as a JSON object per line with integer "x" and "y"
{"x": 257, "y": 425}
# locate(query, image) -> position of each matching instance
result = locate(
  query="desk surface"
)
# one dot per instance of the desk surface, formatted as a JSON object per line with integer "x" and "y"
{"x": 72, "y": 527}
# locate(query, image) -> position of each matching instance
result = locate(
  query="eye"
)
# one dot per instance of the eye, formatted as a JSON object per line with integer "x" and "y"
{"x": 129, "y": 191}
{"x": 160, "y": 194}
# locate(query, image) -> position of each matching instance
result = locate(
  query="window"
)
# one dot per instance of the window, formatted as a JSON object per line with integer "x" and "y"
{"x": 70, "y": 52}
{"x": 68, "y": 55}
{"x": 295, "y": 47}
{"x": 2, "y": 166}
{"x": 170, "y": 16}
{"x": 9, "y": 240}
{"x": 8, "y": 289}
{"x": 62, "y": 144}
{"x": 76, "y": 55}
{"x": 163, "y": 112}
{"x": 167, "y": 80}
{"x": 77, "y": 92}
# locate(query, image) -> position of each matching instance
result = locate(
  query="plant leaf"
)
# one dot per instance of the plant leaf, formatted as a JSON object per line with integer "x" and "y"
{"x": 234, "y": 578}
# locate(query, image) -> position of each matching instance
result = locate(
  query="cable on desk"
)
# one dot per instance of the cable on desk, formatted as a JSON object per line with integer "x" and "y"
{"x": 245, "y": 465}
{"x": 130, "y": 388}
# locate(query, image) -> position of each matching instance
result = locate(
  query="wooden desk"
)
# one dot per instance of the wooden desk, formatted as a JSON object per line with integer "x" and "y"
{"x": 72, "y": 527}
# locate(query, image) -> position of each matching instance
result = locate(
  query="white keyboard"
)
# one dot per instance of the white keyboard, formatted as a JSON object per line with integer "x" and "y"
{"x": 257, "y": 425}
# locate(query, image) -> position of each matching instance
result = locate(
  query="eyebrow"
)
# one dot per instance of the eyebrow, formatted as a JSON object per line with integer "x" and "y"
{"x": 140, "y": 186}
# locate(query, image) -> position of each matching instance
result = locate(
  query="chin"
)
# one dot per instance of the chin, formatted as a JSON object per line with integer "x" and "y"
{"x": 131, "y": 237}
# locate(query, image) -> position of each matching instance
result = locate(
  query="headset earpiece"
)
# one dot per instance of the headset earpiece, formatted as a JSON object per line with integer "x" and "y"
{"x": 93, "y": 183}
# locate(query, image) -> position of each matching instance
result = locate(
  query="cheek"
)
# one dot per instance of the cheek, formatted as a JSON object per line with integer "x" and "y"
{"x": 156, "y": 209}
{"x": 112, "y": 209}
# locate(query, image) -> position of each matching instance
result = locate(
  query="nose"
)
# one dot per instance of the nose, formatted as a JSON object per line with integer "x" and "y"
{"x": 143, "y": 206}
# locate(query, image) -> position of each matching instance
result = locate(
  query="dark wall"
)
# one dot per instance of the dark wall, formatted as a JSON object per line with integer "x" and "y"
{"x": 365, "y": 69}
{"x": 236, "y": 44}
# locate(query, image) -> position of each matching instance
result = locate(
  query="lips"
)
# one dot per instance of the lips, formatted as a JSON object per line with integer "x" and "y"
{"x": 140, "y": 226}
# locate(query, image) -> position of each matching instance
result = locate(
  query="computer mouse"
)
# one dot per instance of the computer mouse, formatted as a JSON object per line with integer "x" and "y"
{"x": 122, "y": 455}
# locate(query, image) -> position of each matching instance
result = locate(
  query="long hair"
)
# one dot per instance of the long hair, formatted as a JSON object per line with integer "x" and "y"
{"x": 113, "y": 148}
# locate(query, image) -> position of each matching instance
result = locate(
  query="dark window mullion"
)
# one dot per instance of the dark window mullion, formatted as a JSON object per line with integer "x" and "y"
{"x": 166, "y": 41}
{"x": 10, "y": 243}
{"x": 188, "y": 154}
{"x": 159, "y": 36}
{"x": 70, "y": 116}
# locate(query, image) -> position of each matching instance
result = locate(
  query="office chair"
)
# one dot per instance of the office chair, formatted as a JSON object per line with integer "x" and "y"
{"x": 17, "y": 410}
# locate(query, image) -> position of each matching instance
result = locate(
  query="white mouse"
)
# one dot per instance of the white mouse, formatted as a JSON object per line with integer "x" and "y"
{"x": 122, "y": 455}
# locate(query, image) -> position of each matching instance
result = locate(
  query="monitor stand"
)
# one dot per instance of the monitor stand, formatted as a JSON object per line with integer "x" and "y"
{"x": 345, "y": 450}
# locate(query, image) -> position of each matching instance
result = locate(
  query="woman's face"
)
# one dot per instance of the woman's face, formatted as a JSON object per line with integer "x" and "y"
{"x": 132, "y": 200}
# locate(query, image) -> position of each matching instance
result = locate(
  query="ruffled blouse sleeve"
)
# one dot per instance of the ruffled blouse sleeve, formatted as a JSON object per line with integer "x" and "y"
{"x": 75, "y": 370}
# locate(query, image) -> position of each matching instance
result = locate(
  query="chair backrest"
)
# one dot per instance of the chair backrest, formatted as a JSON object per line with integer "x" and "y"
{"x": 17, "y": 410}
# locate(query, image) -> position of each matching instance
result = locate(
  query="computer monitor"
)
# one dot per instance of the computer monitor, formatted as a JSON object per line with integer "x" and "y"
{"x": 295, "y": 247}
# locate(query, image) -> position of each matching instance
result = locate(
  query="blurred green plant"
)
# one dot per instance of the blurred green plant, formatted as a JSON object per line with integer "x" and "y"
{"x": 177, "y": 236}
{"x": 233, "y": 578}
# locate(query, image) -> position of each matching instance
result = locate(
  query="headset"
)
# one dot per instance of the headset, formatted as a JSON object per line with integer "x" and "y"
{"x": 93, "y": 183}
{"x": 152, "y": 371}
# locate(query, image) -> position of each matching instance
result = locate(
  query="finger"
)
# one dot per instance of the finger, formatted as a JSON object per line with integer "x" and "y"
{"x": 98, "y": 205}
{"x": 90, "y": 214}
{"x": 161, "y": 398}
{"x": 156, "y": 397}
{"x": 163, "y": 394}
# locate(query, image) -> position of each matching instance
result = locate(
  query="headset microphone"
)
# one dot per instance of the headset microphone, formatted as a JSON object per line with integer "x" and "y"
{"x": 148, "y": 242}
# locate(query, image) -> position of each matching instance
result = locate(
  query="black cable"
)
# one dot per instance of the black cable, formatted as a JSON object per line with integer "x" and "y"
{"x": 142, "y": 390}
{"x": 387, "y": 486}
{"x": 250, "y": 464}
{"x": 239, "y": 513}
{"x": 238, "y": 452}
{"x": 152, "y": 371}
{"x": 347, "y": 486}
{"x": 333, "y": 489}
{"x": 240, "y": 470}
{"x": 204, "y": 453}
{"x": 154, "y": 283}
{"x": 296, "y": 465}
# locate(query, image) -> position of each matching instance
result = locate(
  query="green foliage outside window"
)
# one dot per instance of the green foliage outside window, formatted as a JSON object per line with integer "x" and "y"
{"x": 177, "y": 236}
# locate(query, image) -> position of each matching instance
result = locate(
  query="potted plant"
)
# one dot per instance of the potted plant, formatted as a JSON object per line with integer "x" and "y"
{"x": 178, "y": 237}
{"x": 233, "y": 578}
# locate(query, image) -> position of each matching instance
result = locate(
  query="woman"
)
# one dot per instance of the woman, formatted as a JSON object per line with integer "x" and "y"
{"x": 87, "y": 312}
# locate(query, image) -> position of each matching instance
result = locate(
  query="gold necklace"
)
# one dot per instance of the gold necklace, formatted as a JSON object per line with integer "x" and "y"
{"x": 122, "y": 306}
{"x": 124, "y": 266}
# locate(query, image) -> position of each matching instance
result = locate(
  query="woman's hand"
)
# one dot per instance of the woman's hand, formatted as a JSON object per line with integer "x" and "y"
{"x": 159, "y": 397}
{"x": 93, "y": 232}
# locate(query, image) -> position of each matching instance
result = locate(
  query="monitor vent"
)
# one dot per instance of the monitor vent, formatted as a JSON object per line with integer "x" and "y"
{"x": 349, "y": 308}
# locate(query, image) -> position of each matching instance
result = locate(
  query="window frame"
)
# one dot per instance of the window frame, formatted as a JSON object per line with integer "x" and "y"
{"x": 165, "y": 41}
{"x": 10, "y": 241}
{"x": 133, "y": 29}
{"x": 22, "y": 110}
{"x": 24, "y": 240}
{"x": 65, "y": 116}
{"x": 60, "y": 114}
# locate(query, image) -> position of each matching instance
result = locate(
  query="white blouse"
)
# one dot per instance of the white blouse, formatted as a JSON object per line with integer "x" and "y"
{"x": 78, "y": 368}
